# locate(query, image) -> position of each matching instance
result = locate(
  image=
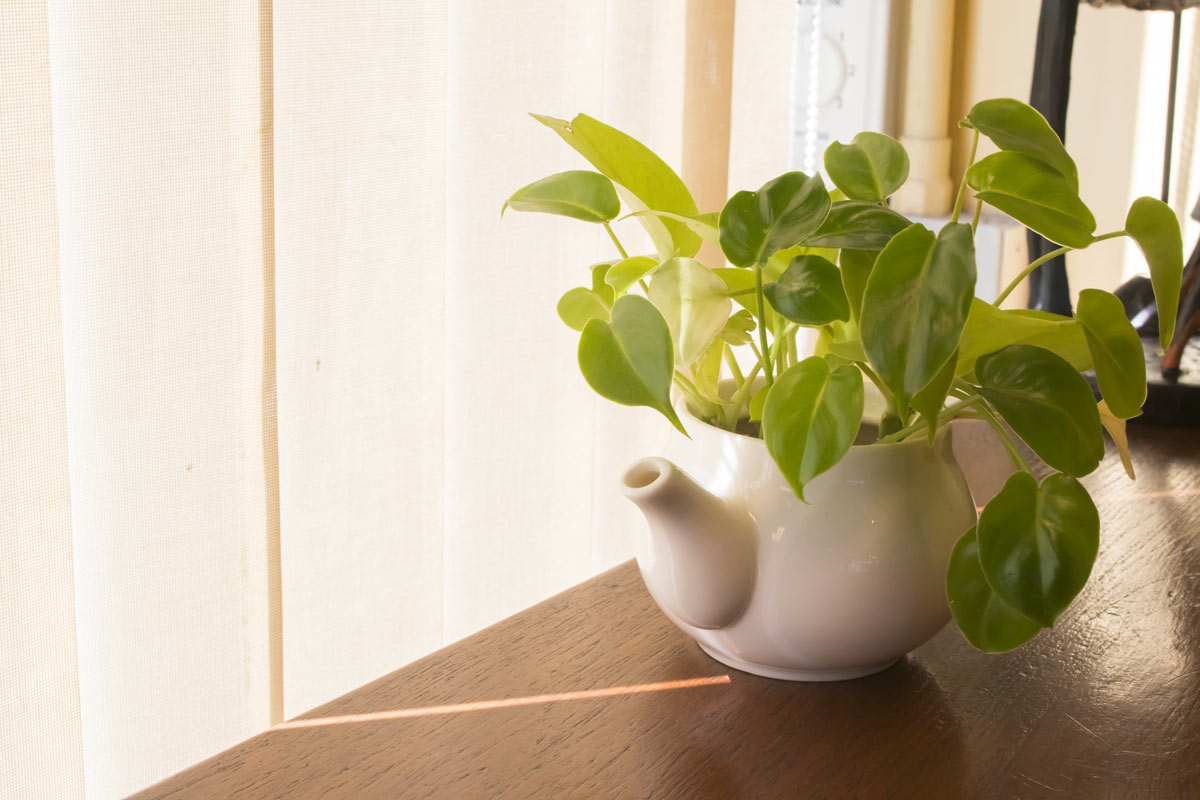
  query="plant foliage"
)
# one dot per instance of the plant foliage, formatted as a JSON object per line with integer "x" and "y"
{"x": 894, "y": 304}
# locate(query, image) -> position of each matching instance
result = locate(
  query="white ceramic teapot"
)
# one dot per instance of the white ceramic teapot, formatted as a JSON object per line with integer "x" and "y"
{"x": 837, "y": 588}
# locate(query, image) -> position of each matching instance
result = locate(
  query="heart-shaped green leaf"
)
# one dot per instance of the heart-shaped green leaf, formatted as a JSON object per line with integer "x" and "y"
{"x": 642, "y": 178}
{"x": 988, "y": 622}
{"x": 754, "y": 225}
{"x": 627, "y": 272}
{"x": 1035, "y": 194}
{"x": 1116, "y": 351}
{"x": 810, "y": 418}
{"x": 694, "y": 303}
{"x": 1153, "y": 225}
{"x": 1037, "y": 544}
{"x": 1047, "y": 403}
{"x": 856, "y": 269}
{"x": 915, "y": 305}
{"x": 989, "y": 328}
{"x": 809, "y": 292}
{"x": 579, "y": 305}
{"x": 870, "y": 168}
{"x": 578, "y": 194}
{"x": 858, "y": 225}
{"x": 630, "y": 360}
{"x": 1018, "y": 127}
{"x": 929, "y": 401}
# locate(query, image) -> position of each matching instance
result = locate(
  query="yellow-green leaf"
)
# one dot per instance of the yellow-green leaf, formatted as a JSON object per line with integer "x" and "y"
{"x": 627, "y": 272}
{"x": 987, "y": 622}
{"x": 858, "y": 225}
{"x": 989, "y": 329}
{"x": 579, "y": 194}
{"x": 870, "y": 168}
{"x": 1037, "y": 544}
{"x": 1035, "y": 194}
{"x": 809, "y": 292}
{"x": 1116, "y": 351}
{"x": 694, "y": 303}
{"x": 756, "y": 225}
{"x": 1116, "y": 429}
{"x": 643, "y": 179}
{"x": 630, "y": 360}
{"x": 579, "y": 305}
{"x": 1153, "y": 225}
{"x": 1047, "y": 403}
{"x": 856, "y": 268}
{"x": 810, "y": 418}
{"x": 915, "y": 305}
{"x": 1019, "y": 127}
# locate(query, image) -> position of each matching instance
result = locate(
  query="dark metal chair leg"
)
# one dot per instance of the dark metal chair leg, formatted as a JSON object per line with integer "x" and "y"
{"x": 1048, "y": 287}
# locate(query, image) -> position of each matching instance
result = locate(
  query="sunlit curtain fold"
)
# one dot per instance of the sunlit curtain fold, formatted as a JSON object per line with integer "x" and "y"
{"x": 284, "y": 401}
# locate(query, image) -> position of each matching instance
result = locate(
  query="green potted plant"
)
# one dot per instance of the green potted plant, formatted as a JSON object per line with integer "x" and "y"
{"x": 789, "y": 535}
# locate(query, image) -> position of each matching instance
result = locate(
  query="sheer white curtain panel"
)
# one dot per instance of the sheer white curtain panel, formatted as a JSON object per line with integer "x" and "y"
{"x": 284, "y": 403}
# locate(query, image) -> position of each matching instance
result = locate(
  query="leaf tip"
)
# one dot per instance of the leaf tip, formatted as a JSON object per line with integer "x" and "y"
{"x": 678, "y": 423}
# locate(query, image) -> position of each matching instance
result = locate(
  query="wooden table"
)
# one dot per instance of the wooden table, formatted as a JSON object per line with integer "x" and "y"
{"x": 1105, "y": 705}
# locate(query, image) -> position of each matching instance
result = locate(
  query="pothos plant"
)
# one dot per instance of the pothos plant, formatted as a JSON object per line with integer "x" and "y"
{"x": 894, "y": 303}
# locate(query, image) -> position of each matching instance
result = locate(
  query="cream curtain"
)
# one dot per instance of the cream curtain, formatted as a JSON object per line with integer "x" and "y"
{"x": 283, "y": 402}
{"x": 40, "y": 735}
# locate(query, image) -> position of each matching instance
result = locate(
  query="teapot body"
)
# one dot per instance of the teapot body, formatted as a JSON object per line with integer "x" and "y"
{"x": 841, "y": 586}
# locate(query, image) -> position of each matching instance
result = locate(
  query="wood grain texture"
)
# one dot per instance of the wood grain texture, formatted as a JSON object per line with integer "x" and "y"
{"x": 1107, "y": 704}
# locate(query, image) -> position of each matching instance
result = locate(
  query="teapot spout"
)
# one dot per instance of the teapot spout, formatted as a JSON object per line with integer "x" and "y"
{"x": 703, "y": 559}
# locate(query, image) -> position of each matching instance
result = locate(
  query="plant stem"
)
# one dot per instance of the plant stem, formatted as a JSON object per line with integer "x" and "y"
{"x": 734, "y": 368}
{"x": 1015, "y": 282}
{"x": 1005, "y": 440}
{"x": 779, "y": 352}
{"x": 962, "y": 185}
{"x": 734, "y": 410}
{"x": 953, "y": 411}
{"x": 975, "y": 217}
{"x": 962, "y": 388}
{"x": 705, "y": 406}
{"x": 1039, "y": 261}
{"x": 875, "y": 379}
{"x": 765, "y": 355}
{"x": 685, "y": 382}
{"x": 615, "y": 240}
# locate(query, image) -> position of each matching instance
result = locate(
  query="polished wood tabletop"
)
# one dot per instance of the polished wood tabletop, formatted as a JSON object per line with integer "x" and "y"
{"x": 594, "y": 694}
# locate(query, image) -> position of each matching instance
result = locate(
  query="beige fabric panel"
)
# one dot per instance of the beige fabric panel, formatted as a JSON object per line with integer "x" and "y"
{"x": 40, "y": 744}
{"x": 157, "y": 120}
{"x": 360, "y": 152}
{"x": 521, "y": 446}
